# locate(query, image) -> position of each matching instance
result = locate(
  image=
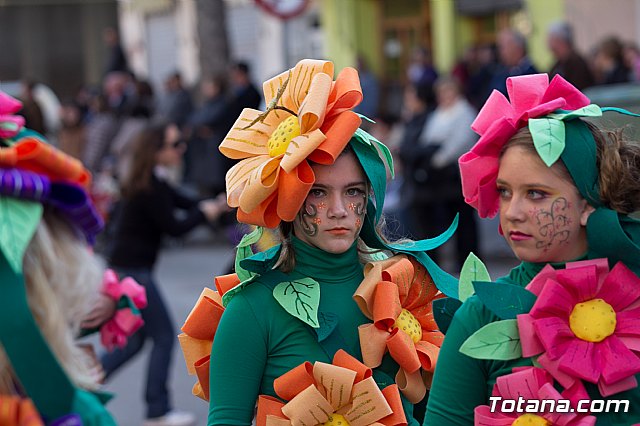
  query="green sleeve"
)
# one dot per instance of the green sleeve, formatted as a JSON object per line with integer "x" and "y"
{"x": 238, "y": 358}
{"x": 460, "y": 382}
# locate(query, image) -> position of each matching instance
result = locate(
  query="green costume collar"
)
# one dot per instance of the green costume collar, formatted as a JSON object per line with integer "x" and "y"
{"x": 326, "y": 267}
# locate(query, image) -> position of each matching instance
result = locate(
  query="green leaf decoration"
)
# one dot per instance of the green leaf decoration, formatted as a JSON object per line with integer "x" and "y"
{"x": 18, "y": 222}
{"x": 226, "y": 298}
{"x": 244, "y": 251}
{"x": 497, "y": 340}
{"x": 443, "y": 311}
{"x": 328, "y": 322}
{"x": 300, "y": 297}
{"x": 507, "y": 301}
{"x": 472, "y": 270}
{"x": 591, "y": 110}
{"x": 548, "y": 138}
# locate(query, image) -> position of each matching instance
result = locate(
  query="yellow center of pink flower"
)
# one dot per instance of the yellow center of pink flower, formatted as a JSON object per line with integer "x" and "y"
{"x": 410, "y": 325}
{"x": 529, "y": 419}
{"x": 336, "y": 420}
{"x": 593, "y": 321}
{"x": 283, "y": 134}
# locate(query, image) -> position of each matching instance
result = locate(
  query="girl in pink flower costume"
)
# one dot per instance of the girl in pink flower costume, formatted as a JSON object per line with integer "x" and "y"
{"x": 563, "y": 325}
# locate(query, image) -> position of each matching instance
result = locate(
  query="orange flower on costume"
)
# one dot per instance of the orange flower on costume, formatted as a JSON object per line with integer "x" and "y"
{"x": 308, "y": 117}
{"x": 332, "y": 394}
{"x": 199, "y": 330}
{"x": 397, "y": 294}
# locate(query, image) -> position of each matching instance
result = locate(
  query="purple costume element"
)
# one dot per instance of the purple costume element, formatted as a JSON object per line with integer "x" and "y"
{"x": 70, "y": 199}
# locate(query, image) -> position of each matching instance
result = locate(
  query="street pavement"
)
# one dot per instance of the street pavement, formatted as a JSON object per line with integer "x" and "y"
{"x": 184, "y": 268}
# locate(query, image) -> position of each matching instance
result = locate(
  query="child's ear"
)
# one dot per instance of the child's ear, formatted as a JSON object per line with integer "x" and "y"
{"x": 587, "y": 209}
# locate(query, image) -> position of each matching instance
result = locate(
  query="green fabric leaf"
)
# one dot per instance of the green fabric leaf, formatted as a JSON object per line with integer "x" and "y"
{"x": 472, "y": 270}
{"x": 507, "y": 301}
{"x": 226, "y": 298}
{"x": 373, "y": 167}
{"x": 18, "y": 222}
{"x": 89, "y": 407}
{"x": 548, "y": 138}
{"x": 244, "y": 251}
{"x": 301, "y": 298}
{"x": 591, "y": 110}
{"x": 328, "y": 322}
{"x": 497, "y": 340}
{"x": 443, "y": 311}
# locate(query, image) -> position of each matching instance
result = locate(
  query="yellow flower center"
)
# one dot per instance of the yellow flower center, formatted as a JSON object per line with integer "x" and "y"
{"x": 282, "y": 136}
{"x": 410, "y": 325}
{"x": 593, "y": 321}
{"x": 336, "y": 420}
{"x": 529, "y": 419}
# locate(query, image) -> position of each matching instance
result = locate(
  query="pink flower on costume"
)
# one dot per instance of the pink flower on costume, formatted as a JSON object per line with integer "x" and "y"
{"x": 531, "y": 383}
{"x": 10, "y": 124}
{"x": 531, "y": 96}
{"x": 585, "y": 324}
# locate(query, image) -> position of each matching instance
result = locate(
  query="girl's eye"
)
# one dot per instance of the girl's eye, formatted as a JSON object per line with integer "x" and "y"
{"x": 536, "y": 195}
{"x": 316, "y": 192}
{"x": 503, "y": 192}
{"x": 353, "y": 192}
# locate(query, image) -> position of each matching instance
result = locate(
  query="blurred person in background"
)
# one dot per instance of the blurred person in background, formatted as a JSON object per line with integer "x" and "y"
{"x": 608, "y": 62}
{"x": 146, "y": 215}
{"x": 447, "y": 134}
{"x": 176, "y": 105}
{"x": 514, "y": 59}
{"x": 206, "y": 128}
{"x": 72, "y": 137}
{"x": 370, "y": 90}
{"x": 632, "y": 60}
{"x": 31, "y": 109}
{"x": 421, "y": 71}
{"x": 116, "y": 59}
{"x": 243, "y": 92}
{"x": 569, "y": 63}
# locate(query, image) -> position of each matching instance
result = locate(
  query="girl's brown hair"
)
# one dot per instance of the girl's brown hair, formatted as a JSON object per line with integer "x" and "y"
{"x": 145, "y": 147}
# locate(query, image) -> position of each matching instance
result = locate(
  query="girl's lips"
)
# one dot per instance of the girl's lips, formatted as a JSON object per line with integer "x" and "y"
{"x": 519, "y": 236}
{"x": 338, "y": 231}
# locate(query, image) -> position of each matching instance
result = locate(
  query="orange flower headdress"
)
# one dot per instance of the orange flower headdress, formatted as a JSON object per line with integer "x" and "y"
{"x": 308, "y": 117}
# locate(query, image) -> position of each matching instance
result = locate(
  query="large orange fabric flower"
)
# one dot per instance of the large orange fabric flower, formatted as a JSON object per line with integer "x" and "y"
{"x": 199, "y": 330}
{"x": 397, "y": 294}
{"x": 308, "y": 117}
{"x": 343, "y": 392}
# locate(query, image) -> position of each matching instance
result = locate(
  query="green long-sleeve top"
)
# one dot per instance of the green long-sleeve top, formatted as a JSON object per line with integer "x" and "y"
{"x": 462, "y": 383}
{"x": 257, "y": 340}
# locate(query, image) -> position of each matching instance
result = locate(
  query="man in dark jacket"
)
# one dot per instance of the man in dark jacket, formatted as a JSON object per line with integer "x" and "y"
{"x": 569, "y": 63}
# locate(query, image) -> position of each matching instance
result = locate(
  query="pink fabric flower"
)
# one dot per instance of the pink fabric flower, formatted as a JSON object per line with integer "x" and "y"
{"x": 531, "y": 96}
{"x": 530, "y": 384}
{"x": 10, "y": 124}
{"x": 125, "y": 322}
{"x": 585, "y": 324}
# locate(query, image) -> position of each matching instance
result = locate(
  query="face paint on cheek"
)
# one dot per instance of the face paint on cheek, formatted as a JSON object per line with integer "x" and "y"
{"x": 322, "y": 206}
{"x": 553, "y": 224}
{"x": 309, "y": 220}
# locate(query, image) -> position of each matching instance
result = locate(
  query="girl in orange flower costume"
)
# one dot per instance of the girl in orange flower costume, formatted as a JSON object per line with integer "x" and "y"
{"x": 307, "y": 169}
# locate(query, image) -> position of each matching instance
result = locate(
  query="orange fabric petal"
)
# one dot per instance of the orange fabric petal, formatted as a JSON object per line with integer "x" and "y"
{"x": 193, "y": 350}
{"x": 346, "y": 92}
{"x": 428, "y": 354}
{"x": 238, "y": 176}
{"x": 204, "y": 318}
{"x": 403, "y": 351}
{"x": 225, "y": 283}
{"x": 424, "y": 314}
{"x": 300, "y": 148}
{"x": 364, "y": 294}
{"x": 264, "y": 215}
{"x": 386, "y": 305}
{"x": 434, "y": 337}
{"x": 294, "y": 381}
{"x": 423, "y": 290}
{"x": 368, "y": 404}
{"x": 411, "y": 385}
{"x": 294, "y": 188}
{"x": 261, "y": 182}
{"x": 338, "y": 132}
{"x": 308, "y": 407}
{"x": 302, "y": 75}
{"x": 400, "y": 273}
{"x": 244, "y": 143}
{"x": 397, "y": 417}
{"x": 314, "y": 107}
{"x": 373, "y": 344}
{"x": 335, "y": 383}
{"x": 34, "y": 155}
{"x": 268, "y": 406}
{"x": 202, "y": 372}
{"x": 343, "y": 359}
